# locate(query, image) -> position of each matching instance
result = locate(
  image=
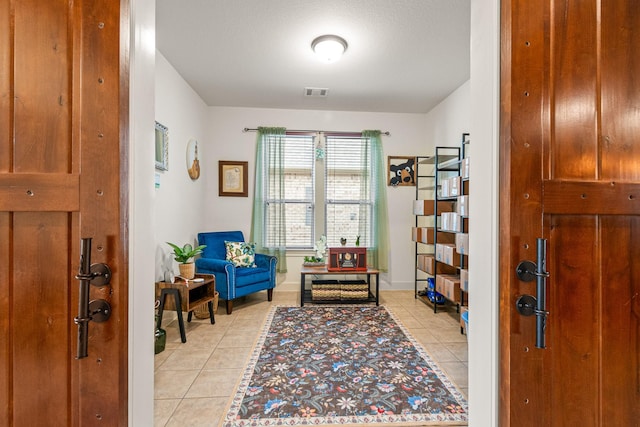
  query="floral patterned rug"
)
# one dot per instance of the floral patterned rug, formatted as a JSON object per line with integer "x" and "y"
{"x": 342, "y": 365}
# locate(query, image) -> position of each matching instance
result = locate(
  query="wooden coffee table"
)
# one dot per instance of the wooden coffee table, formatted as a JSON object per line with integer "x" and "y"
{"x": 305, "y": 294}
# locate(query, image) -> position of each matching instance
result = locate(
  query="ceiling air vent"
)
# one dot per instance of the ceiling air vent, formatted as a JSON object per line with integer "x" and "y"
{"x": 316, "y": 92}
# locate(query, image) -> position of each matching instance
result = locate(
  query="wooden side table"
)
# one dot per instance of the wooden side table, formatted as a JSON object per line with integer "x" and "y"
{"x": 187, "y": 295}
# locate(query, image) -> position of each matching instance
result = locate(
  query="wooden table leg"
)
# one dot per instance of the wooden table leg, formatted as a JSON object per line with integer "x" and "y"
{"x": 211, "y": 316}
{"x": 178, "y": 303}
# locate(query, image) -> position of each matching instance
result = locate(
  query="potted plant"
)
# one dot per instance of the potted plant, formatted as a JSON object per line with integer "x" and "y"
{"x": 320, "y": 248}
{"x": 184, "y": 255}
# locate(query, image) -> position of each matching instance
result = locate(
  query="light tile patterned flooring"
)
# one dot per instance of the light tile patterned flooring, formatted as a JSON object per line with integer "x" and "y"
{"x": 194, "y": 381}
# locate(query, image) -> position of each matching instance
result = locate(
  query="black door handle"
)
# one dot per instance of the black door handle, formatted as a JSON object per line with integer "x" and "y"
{"x": 528, "y": 305}
{"x": 96, "y": 310}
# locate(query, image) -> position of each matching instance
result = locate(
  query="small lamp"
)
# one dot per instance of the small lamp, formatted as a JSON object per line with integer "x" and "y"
{"x": 329, "y": 48}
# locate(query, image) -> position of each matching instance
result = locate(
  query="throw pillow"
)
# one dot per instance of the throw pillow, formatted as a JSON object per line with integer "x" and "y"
{"x": 241, "y": 254}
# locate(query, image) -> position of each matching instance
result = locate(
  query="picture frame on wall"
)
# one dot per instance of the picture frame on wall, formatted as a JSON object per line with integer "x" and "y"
{"x": 162, "y": 147}
{"x": 401, "y": 171}
{"x": 233, "y": 178}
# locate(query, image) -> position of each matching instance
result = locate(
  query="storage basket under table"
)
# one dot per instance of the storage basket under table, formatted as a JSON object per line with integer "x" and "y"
{"x": 326, "y": 290}
{"x": 333, "y": 290}
{"x": 354, "y": 289}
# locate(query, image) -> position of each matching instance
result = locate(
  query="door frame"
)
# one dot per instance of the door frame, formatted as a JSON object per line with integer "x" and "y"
{"x": 484, "y": 383}
{"x": 139, "y": 39}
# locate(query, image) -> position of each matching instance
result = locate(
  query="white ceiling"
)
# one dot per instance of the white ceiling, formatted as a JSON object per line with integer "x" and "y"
{"x": 404, "y": 56}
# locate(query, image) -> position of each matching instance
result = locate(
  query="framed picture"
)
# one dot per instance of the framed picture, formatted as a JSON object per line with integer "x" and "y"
{"x": 232, "y": 178}
{"x": 162, "y": 147}
{"x": 401, "y": 171}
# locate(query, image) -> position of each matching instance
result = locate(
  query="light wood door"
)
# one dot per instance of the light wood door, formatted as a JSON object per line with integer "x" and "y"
{"x": 63, "y": 121}
{"x": 570, "y": 173}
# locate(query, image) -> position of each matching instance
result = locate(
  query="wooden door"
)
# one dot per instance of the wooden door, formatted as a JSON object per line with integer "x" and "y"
{"x": 63, "y": 121}
{"x": 570, "y": 173}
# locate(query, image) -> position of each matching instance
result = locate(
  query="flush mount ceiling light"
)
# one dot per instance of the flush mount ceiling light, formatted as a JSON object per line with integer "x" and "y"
{"x": 329, "y": 48}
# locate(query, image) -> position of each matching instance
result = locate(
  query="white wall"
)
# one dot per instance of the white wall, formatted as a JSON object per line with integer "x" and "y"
{"x": 180, "y": 201}
{"x": 447, "y": 121}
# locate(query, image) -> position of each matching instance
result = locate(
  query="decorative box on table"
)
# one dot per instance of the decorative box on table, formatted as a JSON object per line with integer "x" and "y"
{"x": 347, "y": 259}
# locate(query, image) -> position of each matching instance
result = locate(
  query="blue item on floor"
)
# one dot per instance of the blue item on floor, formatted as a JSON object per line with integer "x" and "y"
{"x": 435, "y": 297}
{"x": 465, "y": 319}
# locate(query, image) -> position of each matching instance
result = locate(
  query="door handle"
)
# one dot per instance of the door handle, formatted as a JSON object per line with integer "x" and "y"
{"x": 96, "y": 310}
{"x": 528, "y": 305}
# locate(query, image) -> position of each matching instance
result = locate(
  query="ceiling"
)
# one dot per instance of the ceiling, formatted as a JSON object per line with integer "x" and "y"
{"x": 404, "y": 56}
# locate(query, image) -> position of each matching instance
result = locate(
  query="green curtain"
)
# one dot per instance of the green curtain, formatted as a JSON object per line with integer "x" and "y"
{"x": 270, "y": 155}
{"x": 378, "y": 250}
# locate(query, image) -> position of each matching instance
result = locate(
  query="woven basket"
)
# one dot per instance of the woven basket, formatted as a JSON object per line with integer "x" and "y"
{"x": 325, "y": 290}
{"x": 354, "y": 290}
{"x": 202, "y": 311}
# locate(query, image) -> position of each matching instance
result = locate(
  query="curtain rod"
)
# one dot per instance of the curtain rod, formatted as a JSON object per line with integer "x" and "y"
{"x": 315, "y": 131}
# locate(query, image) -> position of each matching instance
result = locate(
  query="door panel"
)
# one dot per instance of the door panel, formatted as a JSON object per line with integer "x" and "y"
{"x": 41, "y": 86}
{"x": 63, "y": 121}
{"x": 40, "y": 300}
{"x": 620, "y": 85}
{"x": 621, "y": 314}
{"x": 573, "y": 323}
{"x": 569, "y": 173}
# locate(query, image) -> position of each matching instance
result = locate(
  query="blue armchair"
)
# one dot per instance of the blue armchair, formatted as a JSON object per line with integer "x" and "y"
{"x": 234, "y": 282}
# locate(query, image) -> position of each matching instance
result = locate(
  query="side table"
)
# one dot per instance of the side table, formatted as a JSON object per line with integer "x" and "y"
{"x": 187, "y": 295}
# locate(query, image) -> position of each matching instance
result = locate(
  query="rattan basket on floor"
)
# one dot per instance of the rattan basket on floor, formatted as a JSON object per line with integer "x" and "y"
{"x": 202, "y": 311}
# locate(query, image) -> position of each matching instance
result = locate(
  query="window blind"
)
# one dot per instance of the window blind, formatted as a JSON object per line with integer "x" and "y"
{"x": 294, "y": 164}
{"x": 348, "y": 192}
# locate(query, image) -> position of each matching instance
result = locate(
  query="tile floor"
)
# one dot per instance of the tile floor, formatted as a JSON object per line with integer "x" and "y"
{"x": 195, "y": 380}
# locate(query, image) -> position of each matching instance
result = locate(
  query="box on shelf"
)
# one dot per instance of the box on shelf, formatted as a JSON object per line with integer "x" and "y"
{"x": 422, "y": 234}
{"x": 451, "y": 187}
{"x": 427, "y": 235}
{"x": 449, "y": 286}
{"x": 444, "y": 188}
{"x": 423, "y": 207}
{"x": 347, "y": 259}
{"x": 446, "y": 252}
{"x": 464, "y": 279}
{"x": 426, "y": 207}
{"x": 416, "y": 233}
{"x": 462, "y": 207}
{"x": 455, "y": 188}
{"x": 464, "y": 168}
{"x": 451, "y": 221}
{"x": 426, "y": 263}
{"x": 462, "y": 243}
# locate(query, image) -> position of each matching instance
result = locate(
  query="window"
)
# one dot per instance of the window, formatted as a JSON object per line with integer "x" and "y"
{"x": 348, "y": 196}
{"x": 293, "y": 163}
{"x": 341, "y": 191}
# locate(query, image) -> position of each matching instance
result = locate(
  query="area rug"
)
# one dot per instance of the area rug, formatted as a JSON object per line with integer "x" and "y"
{"x": 342, "y": 365}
